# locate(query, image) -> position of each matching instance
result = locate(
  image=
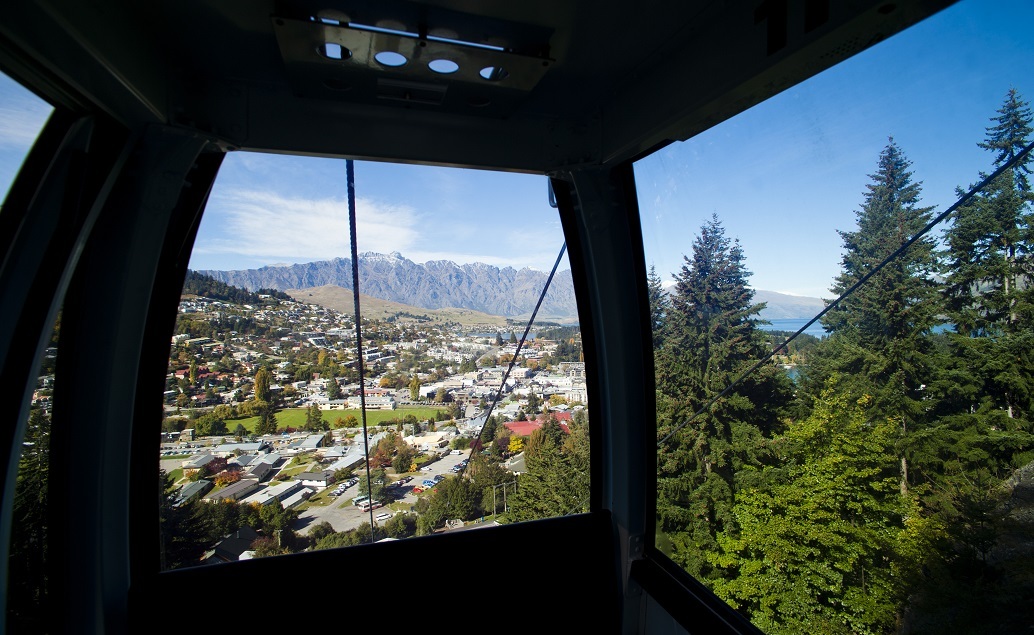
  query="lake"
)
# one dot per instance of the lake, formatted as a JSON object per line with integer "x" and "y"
{"x": 792, "y": 324}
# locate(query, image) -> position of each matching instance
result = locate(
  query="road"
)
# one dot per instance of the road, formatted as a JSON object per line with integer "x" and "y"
{"x": 342, "y": 515}
{"x": 340, "y": 512}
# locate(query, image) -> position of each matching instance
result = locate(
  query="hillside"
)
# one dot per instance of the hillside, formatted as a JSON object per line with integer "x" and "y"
{"x": 340, "y": 299}
{"x": 781, "y": 306}
{"x": 469, "y": 293}
{"x": 436, "y": 284}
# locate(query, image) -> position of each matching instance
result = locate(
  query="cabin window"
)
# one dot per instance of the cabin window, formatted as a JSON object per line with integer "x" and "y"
{"x": 22, "y": 117}
{"x": 868, "y": 476}
{"x": 263, "y": 449}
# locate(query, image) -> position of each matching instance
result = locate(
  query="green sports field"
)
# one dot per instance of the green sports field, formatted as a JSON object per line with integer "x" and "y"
{"x": 295, "y": 417}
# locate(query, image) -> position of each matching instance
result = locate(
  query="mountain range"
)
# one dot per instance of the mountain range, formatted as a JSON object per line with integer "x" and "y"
{"x": 439, "y": 284}
{"x": 436, "y": 284}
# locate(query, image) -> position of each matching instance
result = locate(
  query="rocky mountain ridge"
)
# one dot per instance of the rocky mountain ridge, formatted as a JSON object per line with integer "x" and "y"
{"x": 440, "y": 284}
{"x": 436, "y": 284}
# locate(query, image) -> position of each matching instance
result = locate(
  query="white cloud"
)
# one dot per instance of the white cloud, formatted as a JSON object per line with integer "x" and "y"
{"x": 269, "y": 227}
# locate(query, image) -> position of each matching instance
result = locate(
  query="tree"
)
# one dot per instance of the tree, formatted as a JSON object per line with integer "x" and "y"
{"x": 403, "y": 458}
{"x": 556, "y": 480}
{"x": 498, "y": 339}
{"x": 375, "y": 488}
{"x": 319, "y": 531}
{"x": 879, "y": 340}
{"x": 333, "y": 389}
{"x": 455, "y": 498}
{"x": 534, "y": 403}
{"x": 816, "y": 549}
{"x": 262, "y": 392}
{"x": 28, "y": 599}
{"x": 414, "y": 388}
{"x": 711, "y": 338}
{"x": 989, "y": 281}
{"x": 267, "y": 423}
{"x": 659, "y": 306}
{"x": 513, "y": 338}
{"x": 314, "y": 419}
{"x": 240, "y": 432}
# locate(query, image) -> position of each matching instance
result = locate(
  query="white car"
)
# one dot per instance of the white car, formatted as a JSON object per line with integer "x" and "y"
{"x": 384, "y": 516}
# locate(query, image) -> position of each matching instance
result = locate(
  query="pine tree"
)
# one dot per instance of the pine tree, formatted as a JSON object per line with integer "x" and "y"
{"x": 28, "y": 568}
{"x": 659, "y": 306}
{"x": 880, "y": 334}
{"x": 267, "y": 423}
{"x": 989, "y": 280}
{"x": 711, "y": 338}
{"x": 989, "y": 240}
{"x": 556, "y": 480}
{"x": 983, "y": 427}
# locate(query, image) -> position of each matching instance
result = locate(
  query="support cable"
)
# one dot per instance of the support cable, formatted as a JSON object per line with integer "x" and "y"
{"x": 350, "y": 180}
{"x": 520, "y": 345}
{"x": 897, "y": 252}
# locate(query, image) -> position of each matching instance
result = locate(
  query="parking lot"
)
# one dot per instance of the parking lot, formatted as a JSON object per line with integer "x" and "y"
{"x": 342, "y": 515}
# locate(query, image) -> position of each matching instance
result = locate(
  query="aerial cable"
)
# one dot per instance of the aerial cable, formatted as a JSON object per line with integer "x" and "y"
{"x": 897, "y": 252}
{"x": 350, "y": 180}
{"x": 520, "y": 344}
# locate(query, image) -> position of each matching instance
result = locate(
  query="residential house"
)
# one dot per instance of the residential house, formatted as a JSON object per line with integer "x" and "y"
{"x": 233, "y": 547}
{"x": 196, "y": 462}
{"x": 192, "y": 491}
{"x": 234, "y": 492}
{"x": 316, "y": 479}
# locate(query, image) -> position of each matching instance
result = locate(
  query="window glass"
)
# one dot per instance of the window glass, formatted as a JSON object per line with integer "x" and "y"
{"x": 868, "y": 476}
{"x": 263, "y": 449}
{"x": 22, "y": 116}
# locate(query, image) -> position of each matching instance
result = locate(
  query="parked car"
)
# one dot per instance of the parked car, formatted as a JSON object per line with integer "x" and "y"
{"x": 384, "y": 516}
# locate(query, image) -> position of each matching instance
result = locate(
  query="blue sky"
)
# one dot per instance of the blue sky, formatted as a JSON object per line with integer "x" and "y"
{"x": 782, "y": 177}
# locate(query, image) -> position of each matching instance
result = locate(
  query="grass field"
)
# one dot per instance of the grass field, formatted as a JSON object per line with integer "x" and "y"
{"x": 295, "y": 417}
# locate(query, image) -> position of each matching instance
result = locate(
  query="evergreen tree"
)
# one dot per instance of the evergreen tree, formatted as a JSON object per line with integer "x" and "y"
{"x": 267, "y": 423}
{"x": 659, "y": 306}
{"x": 28, "y": 566}
{"x": 879, "y": 338}
{"x": 989, "y": 241}
{"x": 314, "y": 419}
{"x": 556, "y": 481}
{"x": 989, "y": 279}
{"x": 333, "y": 389}
{"x": 711, "y": 338}
{"x": 983, "y": 429}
